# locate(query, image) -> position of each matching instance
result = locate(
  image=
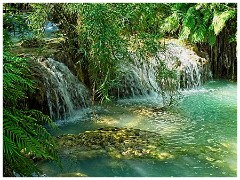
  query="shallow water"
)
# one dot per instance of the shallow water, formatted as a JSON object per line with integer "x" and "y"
{"x": 200, "y": 134}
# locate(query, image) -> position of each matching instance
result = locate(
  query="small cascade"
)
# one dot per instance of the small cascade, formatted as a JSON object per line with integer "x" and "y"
{"x": 141, "y": 78}
{"x": 191, "y": 69}
{"x": 63, "y": 91}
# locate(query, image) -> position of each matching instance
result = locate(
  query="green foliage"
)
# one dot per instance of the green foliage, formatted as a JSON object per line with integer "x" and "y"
{"x": 99, "y": 37}
{"x": 23, "y": 136}
{"x": 102, "y": 36}
{"x": 211, "y": 36}
{"x": 200, "y": 22}
{"x": 15, "y": 84}
{"x": 167, "y": 79}
{"x": 104, "y": 46}
{"x": 14, "y": 25}
{"x": 171, "y": 23}
{"x": 220, "y": 19}
{"x": 38, "y": 18}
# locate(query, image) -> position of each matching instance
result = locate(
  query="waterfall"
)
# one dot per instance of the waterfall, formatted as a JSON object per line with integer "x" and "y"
{"x": 191, "y": 69}
{"x": 63, "y": 91}
{"x": 138, "y": 79}
{"x": 142, "y": 76}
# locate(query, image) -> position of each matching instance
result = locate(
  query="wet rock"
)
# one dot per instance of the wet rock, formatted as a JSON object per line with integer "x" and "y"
{"x": 73, "y": 174}
{"x": 115, "y": 142}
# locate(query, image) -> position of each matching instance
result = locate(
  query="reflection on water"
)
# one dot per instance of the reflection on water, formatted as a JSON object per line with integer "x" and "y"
{"x": 200, "y": 133}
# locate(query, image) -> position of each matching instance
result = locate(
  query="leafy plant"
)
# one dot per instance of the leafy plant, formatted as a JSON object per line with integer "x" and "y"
{"x": 99, "y": 38}
{"x": 24, "y": 138}
{"x": 199, "y": 22}
{"x": 16, "y": 24}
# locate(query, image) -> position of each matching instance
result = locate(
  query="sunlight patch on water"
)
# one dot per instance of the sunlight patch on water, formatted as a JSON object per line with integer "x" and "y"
{"x": 108, "y": 121}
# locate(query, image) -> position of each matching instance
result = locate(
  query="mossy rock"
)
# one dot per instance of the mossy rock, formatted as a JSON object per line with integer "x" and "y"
{"x": 34, "y": 42}
{"x": 115, "y": 142}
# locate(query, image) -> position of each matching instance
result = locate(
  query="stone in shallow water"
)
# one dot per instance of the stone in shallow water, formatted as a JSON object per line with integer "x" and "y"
{"x": 73, "y": 174}
{"x": 115, "y": 142}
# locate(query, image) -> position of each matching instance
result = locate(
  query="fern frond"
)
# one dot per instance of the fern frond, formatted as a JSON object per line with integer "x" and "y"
{"x": 23, "y": 131}
{"x": 21, "y": 164}
{"x": 28, "y": 134}
{"x": 41, "y": 118}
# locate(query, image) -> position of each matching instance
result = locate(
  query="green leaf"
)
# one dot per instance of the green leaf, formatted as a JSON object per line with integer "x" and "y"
{"x": 199, "y": 34}
{"x": 220, "y": 19}
{"x": 211, "y": 36}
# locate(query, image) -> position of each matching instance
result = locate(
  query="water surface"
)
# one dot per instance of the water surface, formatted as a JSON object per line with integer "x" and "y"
{"x": 200, "y": 134}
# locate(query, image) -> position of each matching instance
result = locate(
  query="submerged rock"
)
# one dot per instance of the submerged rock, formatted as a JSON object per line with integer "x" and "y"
{"x": 73, "y": 174}
{"x": 115, "y": 142}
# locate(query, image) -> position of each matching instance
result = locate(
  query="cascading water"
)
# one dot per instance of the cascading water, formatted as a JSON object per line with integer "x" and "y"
{"x": 139, "y": 79}
{"x": 64, "y": 92}
{"x": 191, "y": 69}
{"x": 143, "y": 77}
